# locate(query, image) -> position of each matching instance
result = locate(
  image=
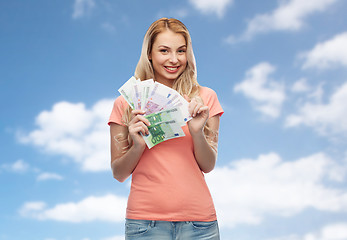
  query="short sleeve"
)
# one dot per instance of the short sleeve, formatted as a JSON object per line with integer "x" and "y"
{"x": 211, "y": 100}
{"x": 118, "y": 109}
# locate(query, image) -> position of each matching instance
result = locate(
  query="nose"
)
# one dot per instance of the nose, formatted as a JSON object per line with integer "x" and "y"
{"x": 173, "y": 58}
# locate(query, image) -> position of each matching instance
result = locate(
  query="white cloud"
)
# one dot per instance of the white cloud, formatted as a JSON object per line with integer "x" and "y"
{"x": 31, "y": 207}
{"x": 217, "y": 7}
{"x": 329, "y": 54}
{"x": 72, "y": 130}
{"x": 21, "y": 166}
{"x": 18, "y": 166}
{"x": 49, "y": 176}
{"x": 301, "y": 86}
{"x": 266, "y": 94}
{"x": 82, "y": 7}
{"x": 288, "y": 16}
{"x": 336, "y": 231}
{"x": 317, "y": 93}
{"x": 109, "y": 208}
{"x": 255, "y": 188}
{"x": 326, "y": 119}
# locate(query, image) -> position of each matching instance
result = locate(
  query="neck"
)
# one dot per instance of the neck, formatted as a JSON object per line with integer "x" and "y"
{"x": 166, "y": 82}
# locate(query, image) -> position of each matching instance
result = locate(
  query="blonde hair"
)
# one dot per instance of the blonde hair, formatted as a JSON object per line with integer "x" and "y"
{"x": 186, "y": 83}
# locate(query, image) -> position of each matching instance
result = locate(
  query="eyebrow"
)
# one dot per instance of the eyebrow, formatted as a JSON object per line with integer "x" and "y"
{"x": 183, "y": 46}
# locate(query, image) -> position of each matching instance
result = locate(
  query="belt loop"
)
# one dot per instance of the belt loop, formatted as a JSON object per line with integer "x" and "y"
{"x": 152, "y": 223}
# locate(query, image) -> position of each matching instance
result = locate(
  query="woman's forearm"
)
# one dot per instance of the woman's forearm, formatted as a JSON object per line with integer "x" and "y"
{"x": 127, "y": 145}
{"x": 205, "y": 155}
{"x": 123, "y": 166}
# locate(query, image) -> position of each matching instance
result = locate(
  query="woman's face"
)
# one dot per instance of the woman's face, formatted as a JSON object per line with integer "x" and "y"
{"x": 169, "y": 58}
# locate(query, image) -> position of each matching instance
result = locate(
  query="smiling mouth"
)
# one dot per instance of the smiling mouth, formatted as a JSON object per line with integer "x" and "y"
{"x": 172, "y": 69}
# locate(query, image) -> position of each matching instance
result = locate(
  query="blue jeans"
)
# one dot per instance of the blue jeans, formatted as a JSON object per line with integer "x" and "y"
{"x": 164, "y": 230}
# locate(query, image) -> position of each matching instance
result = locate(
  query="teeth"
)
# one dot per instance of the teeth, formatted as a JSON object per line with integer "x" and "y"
{"x": 172, "y": 68}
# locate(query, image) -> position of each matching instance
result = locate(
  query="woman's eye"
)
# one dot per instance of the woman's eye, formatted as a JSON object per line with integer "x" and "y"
{"x": 181, "y": 51}
{"x": 163, "y": 50}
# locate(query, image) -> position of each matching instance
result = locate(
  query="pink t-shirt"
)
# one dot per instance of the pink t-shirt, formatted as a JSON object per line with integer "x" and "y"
{"x": 167, "y": 183}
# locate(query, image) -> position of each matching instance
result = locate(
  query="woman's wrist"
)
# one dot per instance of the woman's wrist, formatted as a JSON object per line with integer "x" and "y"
{"x": 197, "y": 134}
{"x": 139, "y": 147}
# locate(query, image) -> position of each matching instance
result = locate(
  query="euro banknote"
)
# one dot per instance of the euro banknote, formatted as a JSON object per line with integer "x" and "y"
{"x": 166, "y": 115}
{"x": 164, "y": 107}
{"x": 163, "y": 131}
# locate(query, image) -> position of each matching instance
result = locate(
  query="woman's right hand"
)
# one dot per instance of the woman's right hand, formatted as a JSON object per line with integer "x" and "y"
{"x": 137, "y": 126}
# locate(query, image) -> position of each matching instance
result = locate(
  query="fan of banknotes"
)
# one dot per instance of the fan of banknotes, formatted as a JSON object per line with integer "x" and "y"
{"x": 165, "y": 108}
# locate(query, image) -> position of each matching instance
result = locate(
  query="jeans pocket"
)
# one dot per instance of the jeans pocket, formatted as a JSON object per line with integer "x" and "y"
{"x": 204, "y": 225}
{"x": 136, "y": 227}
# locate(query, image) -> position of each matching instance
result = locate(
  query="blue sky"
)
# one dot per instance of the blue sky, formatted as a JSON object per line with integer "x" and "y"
{"x": 279, "y": 69}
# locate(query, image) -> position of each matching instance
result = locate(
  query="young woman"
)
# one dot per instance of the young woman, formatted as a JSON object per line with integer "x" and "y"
{"x": 169, "y": 198}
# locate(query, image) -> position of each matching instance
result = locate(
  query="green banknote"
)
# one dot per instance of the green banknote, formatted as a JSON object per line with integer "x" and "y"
{"x": 163, "y": 131}
{"x": 166, "y": 116}
{"x": 166, "y": 109}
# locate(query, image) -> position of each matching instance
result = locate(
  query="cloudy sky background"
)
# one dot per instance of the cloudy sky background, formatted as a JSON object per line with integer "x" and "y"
{"x": 279, "y": 69}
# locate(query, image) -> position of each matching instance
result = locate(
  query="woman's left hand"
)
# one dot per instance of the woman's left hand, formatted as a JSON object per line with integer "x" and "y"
{"x": 199, "y": 113}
